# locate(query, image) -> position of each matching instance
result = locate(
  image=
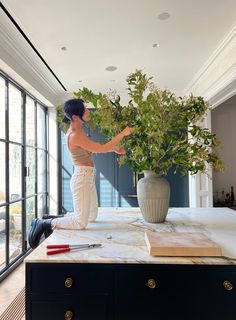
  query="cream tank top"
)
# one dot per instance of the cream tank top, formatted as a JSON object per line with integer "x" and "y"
{"x": 79, "y": 155}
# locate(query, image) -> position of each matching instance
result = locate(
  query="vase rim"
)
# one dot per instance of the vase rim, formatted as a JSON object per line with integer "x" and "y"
{"x": 151, "y": 172}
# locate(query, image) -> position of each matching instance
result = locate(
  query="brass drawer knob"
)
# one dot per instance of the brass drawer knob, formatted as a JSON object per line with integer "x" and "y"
{"x": 68, "y": 315}
{"x": 68, "y": 282}
{"x": 228, "y": 285}
{"x": 151, "y": 283}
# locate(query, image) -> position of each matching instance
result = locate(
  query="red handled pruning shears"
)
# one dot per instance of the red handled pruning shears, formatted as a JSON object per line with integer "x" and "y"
{"x": 61, "y": 248}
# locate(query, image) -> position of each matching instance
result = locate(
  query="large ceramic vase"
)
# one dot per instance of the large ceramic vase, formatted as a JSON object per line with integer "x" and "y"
{"x": 153, "y": 197}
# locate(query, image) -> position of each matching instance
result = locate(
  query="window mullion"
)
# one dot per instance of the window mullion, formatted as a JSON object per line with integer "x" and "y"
{"x": 36, "y": 159}
{"x": 47, "y": 158}
{"x": 7, "y": 169}
{"x": 23, "y": 176}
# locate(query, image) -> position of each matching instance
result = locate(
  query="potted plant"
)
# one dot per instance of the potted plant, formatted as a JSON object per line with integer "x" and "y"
{"x": 166, "y": 135}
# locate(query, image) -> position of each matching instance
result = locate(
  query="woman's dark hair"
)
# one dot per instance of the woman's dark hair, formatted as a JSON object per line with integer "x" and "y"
{"x": 73, "y": 107}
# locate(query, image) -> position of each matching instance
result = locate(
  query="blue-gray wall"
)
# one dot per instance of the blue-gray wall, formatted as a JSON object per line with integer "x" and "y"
{"x": 116, "y": 186}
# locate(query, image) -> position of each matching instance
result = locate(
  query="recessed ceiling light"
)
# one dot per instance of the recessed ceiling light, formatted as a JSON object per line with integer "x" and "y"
{"x": 63, "y": 48}
{"x": 164, "y": 16}
{"x": 113, "y": 80}
{"x": 111, "y": 68}
{"x": 155, "y": 45}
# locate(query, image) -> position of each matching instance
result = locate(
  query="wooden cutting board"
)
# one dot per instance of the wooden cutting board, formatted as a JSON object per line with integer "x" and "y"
{"x": 180, "y": 244}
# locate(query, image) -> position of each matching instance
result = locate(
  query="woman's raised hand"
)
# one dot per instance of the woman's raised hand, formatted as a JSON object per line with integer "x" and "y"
{"x": 120, "y": 151}
{"x": 126, "y": 132}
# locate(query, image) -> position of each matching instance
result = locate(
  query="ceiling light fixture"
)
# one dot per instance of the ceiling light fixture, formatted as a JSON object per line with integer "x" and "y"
{"x": 111, "y": 68}
{"x": 164, "y": 16}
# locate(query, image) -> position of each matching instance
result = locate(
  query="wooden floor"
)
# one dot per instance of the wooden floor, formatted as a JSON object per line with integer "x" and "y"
{"x": 10, "y": 290}
{"x": 16, "y": 309}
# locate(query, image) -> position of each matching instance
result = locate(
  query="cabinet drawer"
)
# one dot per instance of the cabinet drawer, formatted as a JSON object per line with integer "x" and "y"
{"x": 68, "y": 279}
{"x": 94, "y": 307}
{"x": 175, "y": 294}
{"x": 185, "y": 281}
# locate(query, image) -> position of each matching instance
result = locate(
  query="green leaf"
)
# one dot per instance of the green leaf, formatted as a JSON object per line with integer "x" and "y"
{"x": 165, "y": 130}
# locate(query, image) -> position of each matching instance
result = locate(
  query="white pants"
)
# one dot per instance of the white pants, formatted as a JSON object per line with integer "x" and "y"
{"x": 85, "y": 200}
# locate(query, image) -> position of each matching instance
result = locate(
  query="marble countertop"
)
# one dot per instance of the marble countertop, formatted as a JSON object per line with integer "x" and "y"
{"x": 121, "y": 233}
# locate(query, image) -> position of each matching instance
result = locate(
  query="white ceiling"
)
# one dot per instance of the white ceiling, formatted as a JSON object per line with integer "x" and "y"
{"x": 121, "y": 33}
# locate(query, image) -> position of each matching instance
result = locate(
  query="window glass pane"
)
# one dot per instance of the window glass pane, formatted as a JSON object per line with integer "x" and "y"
{"x": 41, "y": 171}
{"x": 14, "y": 114}
{"x": 15, "y": 230}
{"x": 66, "y": 171}
{"x": 67, "y": 202}
{"x": 30, "y": 121}
{"x": 2, "y": 108}
{"x": 3, "y": 173}
{"x": 15, "y": 171}
{"x": 30, "y": 212}
{"x": 41, "y": 128}
{"x": 30, "y": 164}
{"x": 2, "y": 237}
{"x": 41, "y": 205}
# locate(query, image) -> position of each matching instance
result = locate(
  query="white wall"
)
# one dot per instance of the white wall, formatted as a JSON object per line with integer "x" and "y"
{"x": 224, "y": 125}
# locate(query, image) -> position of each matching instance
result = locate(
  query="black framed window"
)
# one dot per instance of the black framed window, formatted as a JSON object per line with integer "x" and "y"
{"x": 2, "y": 108}
{"x": 23, "y": 162}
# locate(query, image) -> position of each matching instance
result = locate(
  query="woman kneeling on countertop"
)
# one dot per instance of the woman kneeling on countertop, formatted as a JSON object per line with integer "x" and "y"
{"x": 82, "y": 182}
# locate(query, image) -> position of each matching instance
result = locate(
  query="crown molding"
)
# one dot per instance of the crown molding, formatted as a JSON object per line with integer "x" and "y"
{"x": 223, "y": 89}
{"x": 226, "y": 46}
{"x": 16, "y": 52}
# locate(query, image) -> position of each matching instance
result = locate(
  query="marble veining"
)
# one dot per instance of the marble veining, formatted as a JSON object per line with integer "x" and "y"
{"x": 121, "y": 233}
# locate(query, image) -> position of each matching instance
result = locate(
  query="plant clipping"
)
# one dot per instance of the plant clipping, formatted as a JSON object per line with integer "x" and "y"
{"x": 167, "y": 132}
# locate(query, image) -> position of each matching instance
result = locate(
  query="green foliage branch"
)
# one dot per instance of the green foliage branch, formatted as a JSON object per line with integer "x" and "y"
{"x": 166, "y": 131}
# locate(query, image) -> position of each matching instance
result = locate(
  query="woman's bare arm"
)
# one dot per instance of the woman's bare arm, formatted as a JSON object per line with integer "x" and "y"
{"x": 84, "y": 142}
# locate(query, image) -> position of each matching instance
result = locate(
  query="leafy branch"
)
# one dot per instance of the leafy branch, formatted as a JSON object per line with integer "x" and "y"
{"x": 165, "y": 127}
